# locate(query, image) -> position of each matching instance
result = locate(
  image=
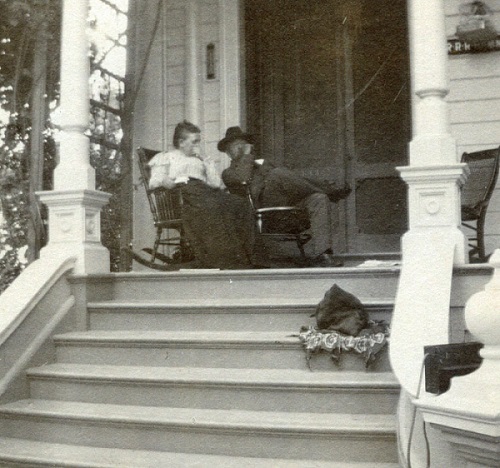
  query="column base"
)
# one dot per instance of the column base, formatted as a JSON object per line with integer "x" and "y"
{"x": 467, "y": 418}
{"x": 471, "y": 404}
{"x": 89, "y": 258}
{"x": 75, "y": 228}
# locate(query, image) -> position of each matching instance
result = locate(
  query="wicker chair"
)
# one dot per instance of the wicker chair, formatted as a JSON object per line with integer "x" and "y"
{"x": 166, "y": 208}
{"x": 476, "y": 195}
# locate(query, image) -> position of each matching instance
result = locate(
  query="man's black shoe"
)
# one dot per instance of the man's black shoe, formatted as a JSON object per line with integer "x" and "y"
{"x": 336, "y": 194}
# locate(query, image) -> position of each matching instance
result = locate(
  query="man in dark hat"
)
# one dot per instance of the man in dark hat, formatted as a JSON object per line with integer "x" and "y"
{"x": 270, "y": 185}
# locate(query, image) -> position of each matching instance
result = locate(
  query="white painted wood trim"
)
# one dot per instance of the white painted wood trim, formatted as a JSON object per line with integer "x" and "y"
{"x": 29, "y": 288}
{"x": 192, "y": 110}
{"x": 24, "y": 359}
{"x": 230, "y": 64}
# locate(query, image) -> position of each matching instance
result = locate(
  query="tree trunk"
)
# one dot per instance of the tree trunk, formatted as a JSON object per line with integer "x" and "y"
{"x": 38, "y": 117}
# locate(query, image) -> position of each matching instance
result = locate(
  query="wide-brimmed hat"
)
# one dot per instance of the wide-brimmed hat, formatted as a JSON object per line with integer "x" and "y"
{"x": 233, "y": 133}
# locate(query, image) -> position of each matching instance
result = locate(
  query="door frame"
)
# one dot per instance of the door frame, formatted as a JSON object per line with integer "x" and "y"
{"x": 347, "y": 231}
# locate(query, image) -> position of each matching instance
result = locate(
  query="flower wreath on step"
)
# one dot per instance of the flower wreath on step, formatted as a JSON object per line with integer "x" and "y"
{"x": 369, "y": 342}
{"x": 342, "y": 324}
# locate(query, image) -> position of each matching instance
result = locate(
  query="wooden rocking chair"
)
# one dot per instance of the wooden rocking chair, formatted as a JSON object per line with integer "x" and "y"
{"x": 476, "y": 194}
{"x": 166, "y": 208}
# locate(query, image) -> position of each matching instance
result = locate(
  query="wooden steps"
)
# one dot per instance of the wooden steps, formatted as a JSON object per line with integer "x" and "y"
{"x": 204, "y": 431}
{"x": 22, "y": 453}
{"x": 253, "y": 314}
{"x": 280, "y": 350}
{"x": 212, "y": 388}
{"x": 162, "y": 379}
{"x": 306, "y": 285}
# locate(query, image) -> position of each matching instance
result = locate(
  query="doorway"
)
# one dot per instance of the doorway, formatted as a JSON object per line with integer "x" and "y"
{"x": 327, "y": 90}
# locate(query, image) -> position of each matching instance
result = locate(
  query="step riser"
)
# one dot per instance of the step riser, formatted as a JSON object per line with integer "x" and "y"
{"x": 261, "y": 357}
{"x": 308, "y": 286}
{"x": 216, "y": 319}
{"x": 191, "y": 439}
{"x": 201, "y": 320}
{"x": 320, "y": 400}
{"x": 22, "y": 453}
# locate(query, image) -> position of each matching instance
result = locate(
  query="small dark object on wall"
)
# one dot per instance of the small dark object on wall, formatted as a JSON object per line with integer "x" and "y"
{"x": 476, "y": 25}
{"x": 210, "y": 61}
{"x": 442, "y": 362}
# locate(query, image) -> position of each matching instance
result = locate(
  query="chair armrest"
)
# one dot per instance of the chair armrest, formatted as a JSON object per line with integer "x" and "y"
{"x": 278, "y": 208}
{"x": 246, "y": 187}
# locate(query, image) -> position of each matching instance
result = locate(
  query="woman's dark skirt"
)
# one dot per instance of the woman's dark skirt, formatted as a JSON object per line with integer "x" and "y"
{"x": 218, "y": 225}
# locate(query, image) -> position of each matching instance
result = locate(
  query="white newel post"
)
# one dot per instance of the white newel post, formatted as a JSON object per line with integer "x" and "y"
{"x": 74, "y": 204}
{"x": 434, "y": 241}
{"x": 468, "y": 414}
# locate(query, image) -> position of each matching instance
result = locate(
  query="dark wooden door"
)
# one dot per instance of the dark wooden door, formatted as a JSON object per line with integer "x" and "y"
{"x": 311, "y": 71}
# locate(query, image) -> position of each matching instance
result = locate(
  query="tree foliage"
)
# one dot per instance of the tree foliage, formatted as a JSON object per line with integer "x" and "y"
{"x": 20, "y": 24}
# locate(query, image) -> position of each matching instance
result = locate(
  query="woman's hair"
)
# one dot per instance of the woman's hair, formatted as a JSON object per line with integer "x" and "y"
{"x": 182, "y": 130}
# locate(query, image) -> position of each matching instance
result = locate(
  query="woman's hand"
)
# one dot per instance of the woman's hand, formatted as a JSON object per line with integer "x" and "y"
{"x": 181, "y": 180}
{"x": 168, "y": 183}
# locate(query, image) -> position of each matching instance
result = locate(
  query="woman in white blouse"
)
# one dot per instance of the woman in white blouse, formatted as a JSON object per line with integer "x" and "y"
{"x": 218, "y": 225}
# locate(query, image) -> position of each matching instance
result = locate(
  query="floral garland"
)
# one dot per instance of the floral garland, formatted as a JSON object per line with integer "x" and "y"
{"x": 369, "y": 342}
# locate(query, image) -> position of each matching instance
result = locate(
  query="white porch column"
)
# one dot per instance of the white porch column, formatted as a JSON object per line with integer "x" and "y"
{"x": 74, "y": 205}
{"x": 434, "y": 241}
{"x": 468, "y": 414}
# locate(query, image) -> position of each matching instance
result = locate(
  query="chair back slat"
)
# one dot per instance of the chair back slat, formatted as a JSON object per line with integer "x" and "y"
{"x": 476, "y": 194}
{"x": 145, "y": 155}
{"x": 480, "y": 184}
{"x": 168, "y": 204}
{"x": 166, "y": 209}
{"x": 165, "y": 205}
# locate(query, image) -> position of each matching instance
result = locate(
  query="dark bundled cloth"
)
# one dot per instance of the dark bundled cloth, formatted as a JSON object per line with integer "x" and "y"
{"x": 219, "y": 226}
{"x": 341, "y": 311}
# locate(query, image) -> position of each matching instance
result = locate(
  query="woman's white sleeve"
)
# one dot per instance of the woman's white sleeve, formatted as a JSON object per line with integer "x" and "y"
{"x": 159, "y": 174}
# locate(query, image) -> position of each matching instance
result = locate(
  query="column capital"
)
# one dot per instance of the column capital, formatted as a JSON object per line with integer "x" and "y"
{"x": 421, "y": 175}
{"x": 439, "y": 92}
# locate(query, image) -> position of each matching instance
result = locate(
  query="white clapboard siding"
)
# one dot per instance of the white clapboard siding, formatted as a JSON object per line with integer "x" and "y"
{"x": 484, "y": 110}
{"x": 175, "y": 94}
{"x": 469, "y": 89}
{"x": 210, "y": 34}
{"x": 472, "y": 66}
{"x": 176, "y": 17}
{"x": 477, "y": 134}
